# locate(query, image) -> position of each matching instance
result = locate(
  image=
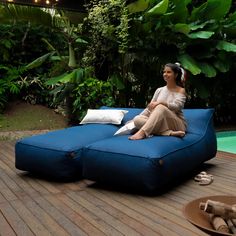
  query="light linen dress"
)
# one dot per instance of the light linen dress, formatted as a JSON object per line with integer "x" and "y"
{"x": 162, "y": 120}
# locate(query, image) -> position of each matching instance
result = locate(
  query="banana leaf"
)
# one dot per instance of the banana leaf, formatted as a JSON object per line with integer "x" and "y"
{"x": 159, "y": 9}
{"x": 57, "y": 79}
{"x": 140, "y": 5}
{"x": 182, "y": 28}
{"x": 180, "y": 12}
{"x": 226, "y": 46}
{"x": 222, "y": 66}
{"x": 116, "y": 81}
{"x": 189, "y": 64}
{"x": 39, "y": 61}
{"x": 207, "y": 69}
{"x": 201, "y": 35}
{"x": 212, "y": 9}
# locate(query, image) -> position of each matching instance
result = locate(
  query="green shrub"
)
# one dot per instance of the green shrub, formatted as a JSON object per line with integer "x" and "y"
{"x": 92, "y": 93}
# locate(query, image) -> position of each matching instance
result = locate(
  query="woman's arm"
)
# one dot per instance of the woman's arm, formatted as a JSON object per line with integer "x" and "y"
{"x": 177, "y": 103}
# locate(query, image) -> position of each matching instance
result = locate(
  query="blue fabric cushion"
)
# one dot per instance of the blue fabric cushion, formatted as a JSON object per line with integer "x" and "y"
{"x": 198, "y": 120}
{"x": 58, "y": 153}
{"x": 151, "y": 163}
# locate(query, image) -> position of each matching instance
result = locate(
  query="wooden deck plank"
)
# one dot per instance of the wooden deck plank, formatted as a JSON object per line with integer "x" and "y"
{"x": 150, "y": 209}
{"x": 88, "y": 216}
{"x": 157, "y": 215}
{"x": 59, "y": 217}
{"x": 33, "y": 223}
{"x": 131, "y": 211}
{"x": 116, "y": 227}
{"x": 72, "y": 215}
{"x": 53, "y": 227}
{"x": 5, "y": 228}
{"x": 108, "y": 205}
{"x": 6, "y": 181}
{"x": 16, "y": 222}
{"x": 34, "y": 206}
{"x": 6, "y": 191}
{"x": 167, "y": 211}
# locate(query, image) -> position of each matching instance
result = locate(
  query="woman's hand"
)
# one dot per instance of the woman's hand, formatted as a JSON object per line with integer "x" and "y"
{"x": 152, "y": 105}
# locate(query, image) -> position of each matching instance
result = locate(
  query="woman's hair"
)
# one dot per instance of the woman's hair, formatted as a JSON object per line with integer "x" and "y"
{"x": 177, "y": 69}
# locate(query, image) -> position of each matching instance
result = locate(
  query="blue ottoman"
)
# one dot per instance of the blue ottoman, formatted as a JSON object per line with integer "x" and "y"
{"x": 151, "y": 163}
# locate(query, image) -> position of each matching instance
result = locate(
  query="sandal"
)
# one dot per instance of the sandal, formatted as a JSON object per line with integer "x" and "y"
{"x": 199, "y": 176}
{"x": 206, "y": 180}
{"x": 203, "y": 178}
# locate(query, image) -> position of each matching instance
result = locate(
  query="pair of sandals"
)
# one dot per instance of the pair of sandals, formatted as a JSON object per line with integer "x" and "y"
{"x": 203, "y": 178}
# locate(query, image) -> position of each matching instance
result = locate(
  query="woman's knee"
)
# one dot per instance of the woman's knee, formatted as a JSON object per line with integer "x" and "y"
{"x": 139, "y": 121}
{"x": 161, "y": 109}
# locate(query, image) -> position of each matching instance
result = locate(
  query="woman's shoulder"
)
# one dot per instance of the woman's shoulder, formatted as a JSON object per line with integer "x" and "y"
{"x": 180, "y": 90}
{"x": 159, "y": 89}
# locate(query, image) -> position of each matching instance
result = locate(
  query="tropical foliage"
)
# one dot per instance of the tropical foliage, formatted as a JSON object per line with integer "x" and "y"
{"x": 125, "y": 46}
{"x": 200, "y": 36}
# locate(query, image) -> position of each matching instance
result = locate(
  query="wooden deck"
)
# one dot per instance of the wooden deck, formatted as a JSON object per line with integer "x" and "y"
{"x": 32, "y": 206}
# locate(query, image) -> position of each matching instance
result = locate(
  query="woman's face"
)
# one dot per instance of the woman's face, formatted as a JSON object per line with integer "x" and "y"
{"x": 168, "y": 74}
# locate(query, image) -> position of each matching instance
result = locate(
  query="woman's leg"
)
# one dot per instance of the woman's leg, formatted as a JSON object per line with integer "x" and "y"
{"x": 178, "y": 133}
{"x": 162, "y": 121}
{"x": 139, "y": 122}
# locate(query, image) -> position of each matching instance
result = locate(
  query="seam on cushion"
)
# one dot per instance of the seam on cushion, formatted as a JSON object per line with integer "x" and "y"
{"x": 48, "y": 148}
{"x": 146, "y": 157}
{"x": 153, "y": 162}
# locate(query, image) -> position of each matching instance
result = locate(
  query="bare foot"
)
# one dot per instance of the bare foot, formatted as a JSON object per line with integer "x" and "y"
{"x": 139, "y": 135}
{"x": 180, "y": 134}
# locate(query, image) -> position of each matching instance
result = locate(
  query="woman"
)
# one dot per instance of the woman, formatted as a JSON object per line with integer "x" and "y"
{"x": 163, "y": 115}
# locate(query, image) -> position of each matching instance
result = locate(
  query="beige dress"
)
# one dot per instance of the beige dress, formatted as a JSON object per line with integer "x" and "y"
{"x": 162, "y": 120}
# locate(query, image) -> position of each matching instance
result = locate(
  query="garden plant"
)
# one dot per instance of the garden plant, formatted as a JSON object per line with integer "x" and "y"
{"x": 113, "y": 54}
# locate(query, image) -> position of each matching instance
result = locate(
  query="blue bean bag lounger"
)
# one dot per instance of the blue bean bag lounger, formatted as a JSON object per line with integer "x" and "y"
{"x": 93, "y": 152}
{"x": 151, "y": 163}
{"x": 57, "y": 154}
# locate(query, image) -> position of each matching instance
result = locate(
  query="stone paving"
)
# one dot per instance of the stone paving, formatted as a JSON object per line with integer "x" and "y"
{"x": 15, "y": 135}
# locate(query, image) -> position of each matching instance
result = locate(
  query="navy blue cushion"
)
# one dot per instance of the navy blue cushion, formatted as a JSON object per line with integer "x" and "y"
{"x": 198, "y": 120}
{"x": 58, "y": 153}
{"x": 151, "y": 163}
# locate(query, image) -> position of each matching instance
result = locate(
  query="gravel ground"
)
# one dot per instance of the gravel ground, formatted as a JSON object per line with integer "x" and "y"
{"x": 15, "y": 135}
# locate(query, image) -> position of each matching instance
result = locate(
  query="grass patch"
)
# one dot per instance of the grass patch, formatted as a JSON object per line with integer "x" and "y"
{"x": 24, "y": 116}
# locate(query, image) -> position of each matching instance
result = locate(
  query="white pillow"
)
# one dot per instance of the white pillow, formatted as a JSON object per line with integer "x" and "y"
{"x": 126, "y": 129}
{"x": 104, "y": 116}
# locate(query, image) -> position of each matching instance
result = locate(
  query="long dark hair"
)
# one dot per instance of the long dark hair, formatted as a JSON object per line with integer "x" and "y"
{"x": 177, "y": 69}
